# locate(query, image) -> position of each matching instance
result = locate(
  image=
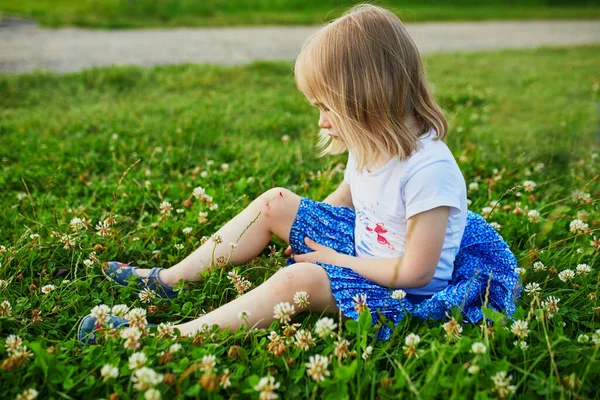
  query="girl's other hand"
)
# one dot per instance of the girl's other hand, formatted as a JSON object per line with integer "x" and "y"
{"x": 319, "y": 253}
{"x": 288, "y": 252}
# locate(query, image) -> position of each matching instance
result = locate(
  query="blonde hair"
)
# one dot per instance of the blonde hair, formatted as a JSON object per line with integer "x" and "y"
{"x": 365, "y": 68}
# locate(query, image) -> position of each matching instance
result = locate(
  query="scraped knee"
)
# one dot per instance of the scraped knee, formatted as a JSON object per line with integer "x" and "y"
{"x": 274, "y": 201}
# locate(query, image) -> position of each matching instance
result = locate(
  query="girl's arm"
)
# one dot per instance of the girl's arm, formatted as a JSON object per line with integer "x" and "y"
{"x": 425, "y": 235}
{"x": 340, "y": 196}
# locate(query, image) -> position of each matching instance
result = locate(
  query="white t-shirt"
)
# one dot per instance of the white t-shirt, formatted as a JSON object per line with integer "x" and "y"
{"x": 385, "y": 199}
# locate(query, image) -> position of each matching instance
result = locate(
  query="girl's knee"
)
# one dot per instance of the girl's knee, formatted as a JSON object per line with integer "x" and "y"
{"x": 279, "y": 201}
{"x": 301, "y": 277}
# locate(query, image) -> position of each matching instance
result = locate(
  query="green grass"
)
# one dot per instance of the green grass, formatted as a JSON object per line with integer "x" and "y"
{"x": 70, "y": 145}
{"x": 170, "y": 13}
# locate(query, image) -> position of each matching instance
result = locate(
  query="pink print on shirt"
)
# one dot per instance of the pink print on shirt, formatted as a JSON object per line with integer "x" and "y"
{"x": 380, "y": 231}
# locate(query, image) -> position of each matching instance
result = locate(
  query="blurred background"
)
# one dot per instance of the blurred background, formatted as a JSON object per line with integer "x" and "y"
{"x": 171, "y": 13}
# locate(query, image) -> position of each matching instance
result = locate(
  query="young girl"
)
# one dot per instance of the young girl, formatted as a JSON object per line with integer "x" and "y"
{"x": 395, "y": 236}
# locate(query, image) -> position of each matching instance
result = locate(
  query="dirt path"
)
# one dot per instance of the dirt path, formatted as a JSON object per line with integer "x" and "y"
{"x": 26, "y": 47}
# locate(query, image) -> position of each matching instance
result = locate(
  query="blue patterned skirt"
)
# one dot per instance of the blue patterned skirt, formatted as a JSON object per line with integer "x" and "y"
{"x": 484, "y": 263}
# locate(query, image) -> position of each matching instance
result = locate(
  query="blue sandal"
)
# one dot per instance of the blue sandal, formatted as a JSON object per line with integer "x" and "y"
{"x": 120, "y": 273}
{"x": 86, "y": 332}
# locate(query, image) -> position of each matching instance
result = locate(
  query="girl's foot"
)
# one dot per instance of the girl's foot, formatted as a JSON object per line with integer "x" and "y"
{"x": 120, "y": 273}
{"x": 86, "y": 332}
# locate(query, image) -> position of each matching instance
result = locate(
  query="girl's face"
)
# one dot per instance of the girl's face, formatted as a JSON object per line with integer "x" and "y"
{"x": 325, "y": 122}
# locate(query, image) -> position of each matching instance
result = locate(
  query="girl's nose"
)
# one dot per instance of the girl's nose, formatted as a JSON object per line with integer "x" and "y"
{"x": 324, "y": 121}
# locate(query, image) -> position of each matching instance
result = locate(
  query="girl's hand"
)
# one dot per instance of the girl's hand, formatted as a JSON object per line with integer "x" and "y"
{"x": 320, "y": 253}
{"x": 288, "y": 252}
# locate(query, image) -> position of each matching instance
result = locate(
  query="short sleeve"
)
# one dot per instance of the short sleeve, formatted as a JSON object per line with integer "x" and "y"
{"x": 350, "y": 169}
{"x": 434, "y": 185}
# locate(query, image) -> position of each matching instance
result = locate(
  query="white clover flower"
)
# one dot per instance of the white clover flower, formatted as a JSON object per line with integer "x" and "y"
{"x": 199, "y": 192}
{"x": 267, "y": 387}
{"x": 213, "y": 206}
{"x": 596, "y": 337}
{"x": 68, "y": 242}
{"x": 473, "y": 186}
{"x": 469, "y": 202}
{"x": 130, "y": 333}
{"x": 453, "y": 329}
{"x": 360, "y": 302}
{"x": 174, "y": 348}
{"x": 165, "y": 208}
{"x": 496, "y": 225}
{"x": 520, "y": 328}
{"x": 539, "y": 167}
{"x": 224, "y": 380}
{"x": 533, "y": 288}
{"x": 521, "y": 344}
{"x": 244, "y": 314}
{"x": 152, "y": 394}
{"x": 528, "y": 186}
{"x": 341, "y": 349}
{"x": 13, "y": 343}
{"x": 283, "y": 312}
{"x": 367, "y": 352}
{"x": 412, "y": 339}
{"x": 137, "y": 317}
{"x": 582, "y": 215}
{"x": 28, "y": 394}
{"x": 566, "y": 275}
{"x": 34, "y": 236}
{"x": 225, "y": 167}
{"x": 398, "y": 294}
{"x": 119, "y": 310}
{"x": 551, "y": 305}
{"x": 478, "y": 348}
{"x": 233, "y": 245}
{"x": 47, "y": 289}
{"x": 187, "y": 231}
{"x": 502, "y": 384}
{"x": 486, "y": 211}
{"x": 539, "y": 266}
{"x": 583, "y": 338}
{"x": 533, "y": 216}
{"x": 103, "y": 229}
{"x": 146, "y": 296}
{"x": 137, "y": 360}
{"x": 101, "y": 313}
{"x": 209, "y": 362}
{"x": 77, "y": 224}
{"x": 5, "y": 309}
{"x": 88, "y": 263}
{"x": 179, "y": 246}
{"x": 202, "y": 217}
{"x": 494, "y": 203}
{"x": 325, "y": 326}
{"x": 317, "y": 367}
{"x": 203, "y": 174}
{"x": 301, "y": 299}
{"x": 581, "y": 197}
{"x": 2, "y": 249}
{"x": 285, "y": 139}
{"x": 109, "y": 371}
{"x": 304, "y": 339}
{"x": 520, "y": 270}
{"x": 473, "y": 369}
{"x": 578, "y": 226}
{"x": 583, "y": 269}
{"x": 165, "y": 330}
{"x": 145, "y": 378}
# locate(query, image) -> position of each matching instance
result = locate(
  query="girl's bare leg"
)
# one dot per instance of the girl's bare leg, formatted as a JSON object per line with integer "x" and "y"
{"x": 260, "y": 301}
{"x": 272, "y": 213}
